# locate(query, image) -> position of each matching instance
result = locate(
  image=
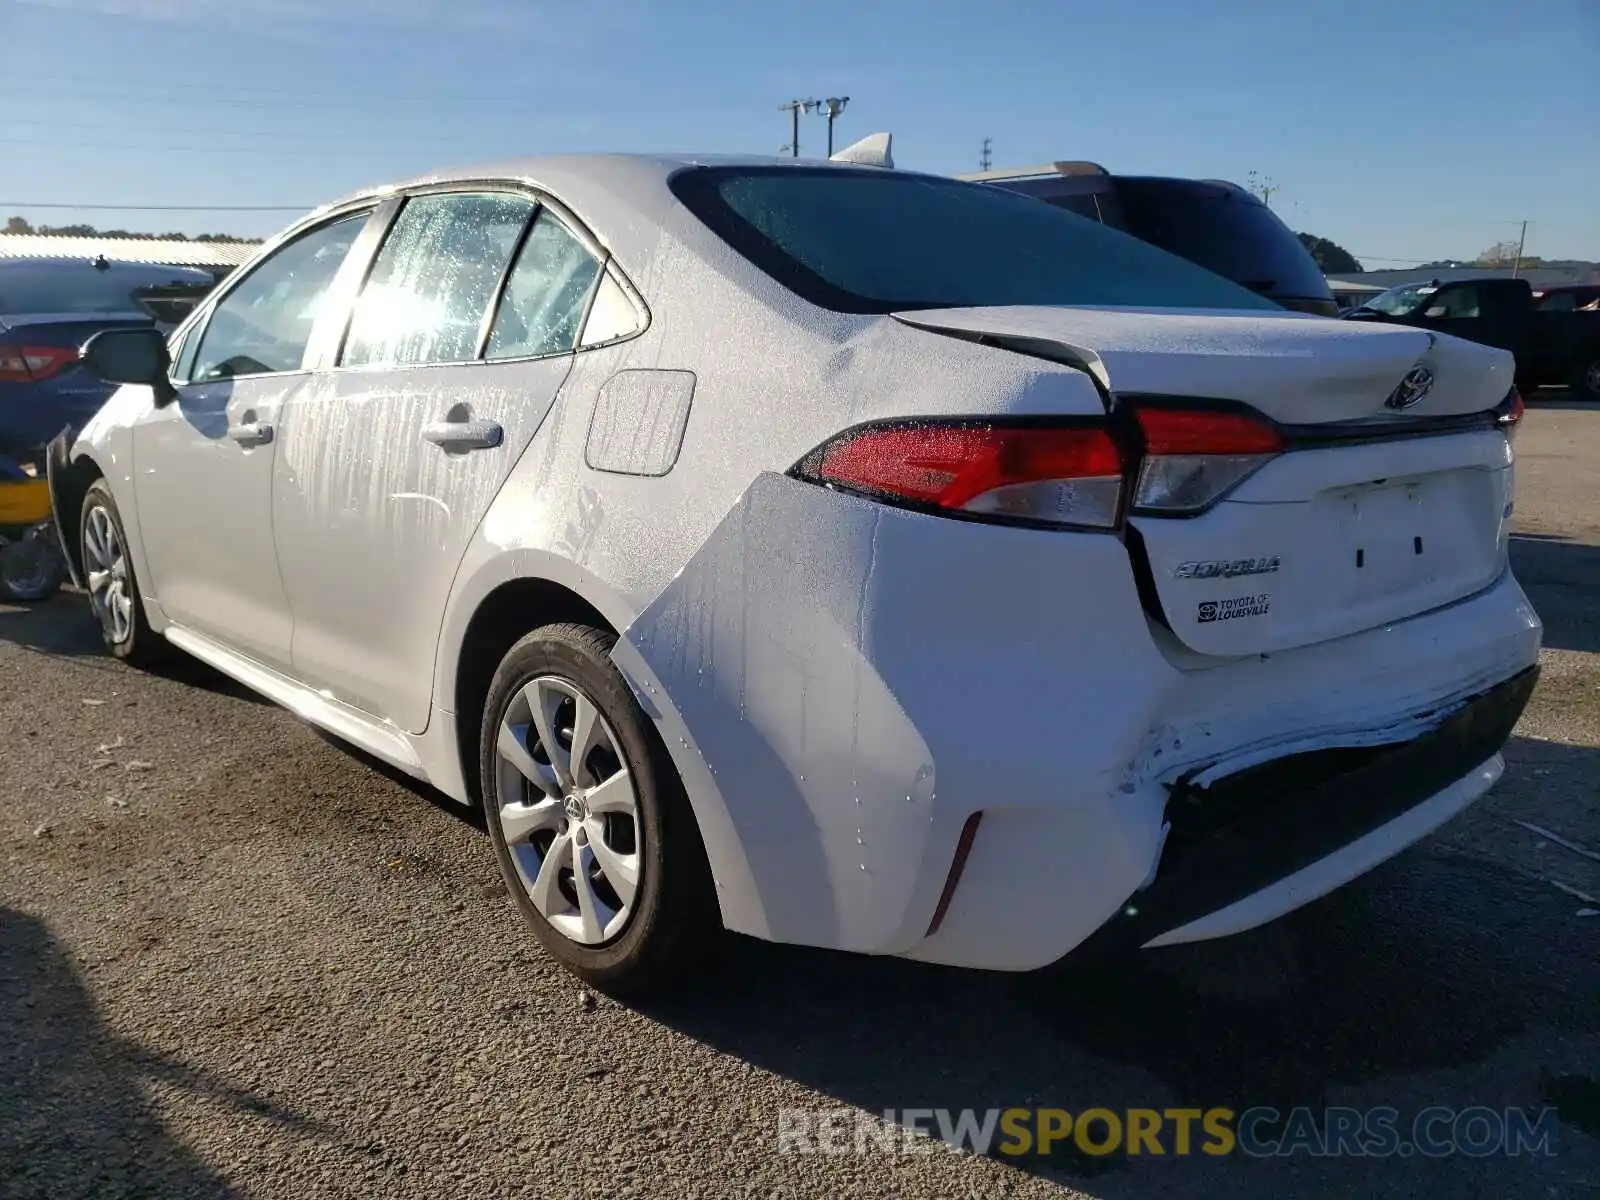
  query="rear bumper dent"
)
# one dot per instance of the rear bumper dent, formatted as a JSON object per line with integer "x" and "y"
{"x": 1254, "y": 845}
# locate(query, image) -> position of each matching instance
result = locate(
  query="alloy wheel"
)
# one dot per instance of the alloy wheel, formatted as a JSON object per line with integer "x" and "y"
{"x": 568, "y": 810}
{"x": 110, "y": 593}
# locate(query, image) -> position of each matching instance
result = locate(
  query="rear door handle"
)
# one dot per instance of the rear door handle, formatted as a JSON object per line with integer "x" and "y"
{"x": 251, "y": 433}
{"x": 463, "y": 435}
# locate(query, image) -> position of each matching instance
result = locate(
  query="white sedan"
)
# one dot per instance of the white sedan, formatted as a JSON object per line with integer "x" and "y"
{"x": 835, "y": 555}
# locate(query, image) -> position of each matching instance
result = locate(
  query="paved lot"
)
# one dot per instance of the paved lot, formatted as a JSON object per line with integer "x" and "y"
{"x": 235, "y": 960}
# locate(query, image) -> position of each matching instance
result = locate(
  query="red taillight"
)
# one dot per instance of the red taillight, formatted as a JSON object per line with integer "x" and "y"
{"x": 1194, "y": 457}
{"x": 1201, "y": 431}
{"x": 23, "y": 364}
{"x": 1070, "y": 476}
{"x": 1511, "y": 413}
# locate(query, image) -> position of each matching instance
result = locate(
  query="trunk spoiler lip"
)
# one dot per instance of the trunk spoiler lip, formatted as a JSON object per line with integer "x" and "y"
{"x": 56, "y": 462}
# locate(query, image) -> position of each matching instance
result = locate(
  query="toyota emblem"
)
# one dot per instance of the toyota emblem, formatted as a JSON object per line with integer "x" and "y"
{"x": 1417, "y": 384}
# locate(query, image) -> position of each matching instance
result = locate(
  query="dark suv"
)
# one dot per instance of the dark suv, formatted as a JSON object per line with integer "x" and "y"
{"x": 1216, "y": 224}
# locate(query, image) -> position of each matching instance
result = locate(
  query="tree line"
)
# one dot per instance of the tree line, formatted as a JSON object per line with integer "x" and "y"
{"x": 19, "y": 225}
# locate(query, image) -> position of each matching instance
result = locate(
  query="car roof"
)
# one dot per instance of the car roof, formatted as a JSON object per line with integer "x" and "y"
{"x": 154, "y": 272}
{"x": 562, "y": 172}
{"x": 622, "y": 198}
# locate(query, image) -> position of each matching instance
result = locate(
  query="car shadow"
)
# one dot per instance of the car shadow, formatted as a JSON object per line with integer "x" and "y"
{"x": 1434, "y": 961}
{"x": 1562, "y": 578}
{"x": 75, "y": 1119}
{"x": 467, "y": 814}
{"x": 63, "y": 627}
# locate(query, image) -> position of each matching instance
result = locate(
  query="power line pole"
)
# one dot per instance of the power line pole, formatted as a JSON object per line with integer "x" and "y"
{"x": 985, "y": 161}
{"x": 1522, "y": 242}
{"x": 1263, "y": 187}
{"x": 833, "y": 105}
{"x": 794, "y": 109}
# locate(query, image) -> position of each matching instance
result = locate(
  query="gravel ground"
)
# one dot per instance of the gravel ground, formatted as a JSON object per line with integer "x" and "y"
{"x": 237, "y": 960}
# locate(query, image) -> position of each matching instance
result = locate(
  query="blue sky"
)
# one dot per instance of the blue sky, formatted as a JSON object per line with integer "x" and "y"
{"x": 1404, "y": 131}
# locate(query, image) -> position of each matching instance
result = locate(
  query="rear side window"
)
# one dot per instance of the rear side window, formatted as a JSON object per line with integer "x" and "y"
{"x": 546, "y": 294}
{"x": 872, "y": 242}
{"x": 431, "y": 285}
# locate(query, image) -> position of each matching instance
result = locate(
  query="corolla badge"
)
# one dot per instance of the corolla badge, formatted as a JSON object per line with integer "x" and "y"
{"x": 1417, "y": 384}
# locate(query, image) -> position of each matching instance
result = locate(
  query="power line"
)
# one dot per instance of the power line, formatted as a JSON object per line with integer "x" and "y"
{"x": 375, "y": 104}
{"x": 265, "y": 151}
{"x": 75, "y": 82}
{"x": 1416, "y": 262}
{"x": 293, "y": 135}
{"x": 165, "y": 207}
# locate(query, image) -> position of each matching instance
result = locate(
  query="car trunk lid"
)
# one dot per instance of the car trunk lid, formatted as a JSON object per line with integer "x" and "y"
{"x": 1383, "y": 501}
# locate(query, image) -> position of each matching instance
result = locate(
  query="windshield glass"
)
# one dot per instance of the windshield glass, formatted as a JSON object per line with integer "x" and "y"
{"x": 1401, "y": 301}
{"x": 869, "y": 242}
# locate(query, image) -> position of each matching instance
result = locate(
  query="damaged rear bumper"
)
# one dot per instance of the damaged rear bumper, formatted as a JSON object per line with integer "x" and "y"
{"x": 1247, "y": 848}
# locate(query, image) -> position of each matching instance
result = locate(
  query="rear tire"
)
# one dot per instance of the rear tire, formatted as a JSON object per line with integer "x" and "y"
{"x": 32, "y": 568}
{"x": 114, "y": 594}
{"x": 1586, "y": 378}
{"x": 643, "y": 911}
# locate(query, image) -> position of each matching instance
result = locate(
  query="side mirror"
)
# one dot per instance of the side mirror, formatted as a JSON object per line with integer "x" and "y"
{"x": 131, "y": 356}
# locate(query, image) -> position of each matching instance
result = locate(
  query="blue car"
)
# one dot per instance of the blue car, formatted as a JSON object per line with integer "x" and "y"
{"x": 48, "y": 308}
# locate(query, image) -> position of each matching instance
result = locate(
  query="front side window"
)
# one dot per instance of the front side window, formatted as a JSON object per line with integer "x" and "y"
{"x": 875, "y": 242}
{"x": 1454, "y": 302}
{"x": 264, "y": 323}
{"x": 546, "y": 294}
{"x": 433, "y": 280}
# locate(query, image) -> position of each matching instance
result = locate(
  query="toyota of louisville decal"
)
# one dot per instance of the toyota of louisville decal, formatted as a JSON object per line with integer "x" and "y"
{"x": 1235, "y": 608}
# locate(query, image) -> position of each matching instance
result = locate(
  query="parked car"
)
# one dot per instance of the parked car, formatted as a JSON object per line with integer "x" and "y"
{"x": 48, "y": 308}
{"x": 1217, "y": 224}
{"x": 1551, "y": 346}
{"x": 32, "y": 566}
{"x": 759, "y": 556}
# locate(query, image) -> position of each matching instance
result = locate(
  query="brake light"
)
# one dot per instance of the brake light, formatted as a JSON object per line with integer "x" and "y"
{"x": 1510, "y": 413}
{"x": 1194, "y": 457}
{"x": 26, "y": 364}
{"x": 1037, "y": 474}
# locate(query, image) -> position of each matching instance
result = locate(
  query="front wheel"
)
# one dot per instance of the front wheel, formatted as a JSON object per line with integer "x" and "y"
{"x": 114, "y": 594}
{"x": 592, "y": 829}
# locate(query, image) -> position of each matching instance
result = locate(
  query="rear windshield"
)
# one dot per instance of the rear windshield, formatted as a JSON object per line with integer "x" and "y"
{"x": 869, "y": 242}
{"x": 1223, "y": 230}
{"x": 74, "y": 288}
